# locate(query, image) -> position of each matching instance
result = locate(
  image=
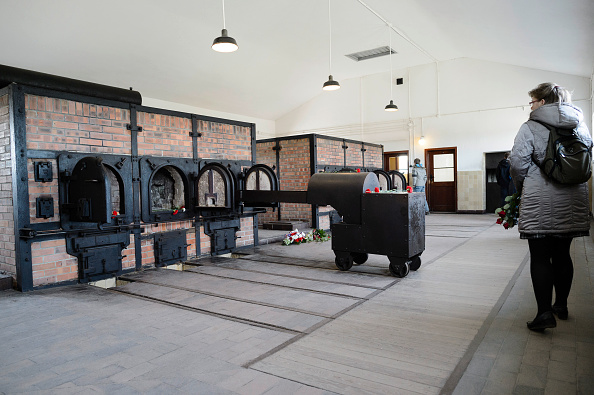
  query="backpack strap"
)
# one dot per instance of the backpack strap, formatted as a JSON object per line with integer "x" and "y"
{"x": 546, "y": 125}
{"x": 550, "y": 129}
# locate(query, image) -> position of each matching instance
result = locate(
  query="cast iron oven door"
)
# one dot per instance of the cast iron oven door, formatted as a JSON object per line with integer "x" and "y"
{"x": 215, "y": 188}
{"x": 170, "y": 247}
{"x": 384, "y": 179}
{"x": 99, "y": 254}
{"x": 260, "y": 178}
{"x": 94, "y": 190}
{"x": 167, "y": 189}
{"x": 398, "y": 180}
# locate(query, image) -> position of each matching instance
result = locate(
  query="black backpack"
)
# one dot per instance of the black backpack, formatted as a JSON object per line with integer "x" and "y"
{"x": 568, "y": 158}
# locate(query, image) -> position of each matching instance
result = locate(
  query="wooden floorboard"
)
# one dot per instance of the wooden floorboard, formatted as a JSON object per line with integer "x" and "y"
{"x": 249, "y": 312}
{"x": 412, "y": 335}
{"x": 304, "y": 301}
{"x": 285, "y": 281}
{"x": 331, "y": 275}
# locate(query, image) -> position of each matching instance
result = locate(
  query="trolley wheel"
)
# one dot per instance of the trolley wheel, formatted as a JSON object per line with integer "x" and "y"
{"x": 359, "y": 258}
{"x": 399, "y": 269}
{"x": 344, "y": 263}
{"x": 415, "y": 264}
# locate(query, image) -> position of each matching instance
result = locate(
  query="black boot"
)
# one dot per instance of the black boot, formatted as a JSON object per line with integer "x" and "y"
{"x": 542, "y": 322}
{"x": 560, "y": 312}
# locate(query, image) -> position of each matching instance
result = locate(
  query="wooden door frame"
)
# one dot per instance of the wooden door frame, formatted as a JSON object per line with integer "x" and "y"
{"x": 430, "y": 182}
{"x": 391, "y": 153}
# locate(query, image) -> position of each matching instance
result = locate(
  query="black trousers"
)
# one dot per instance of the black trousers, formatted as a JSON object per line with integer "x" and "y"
{"x": 550, "y": 267}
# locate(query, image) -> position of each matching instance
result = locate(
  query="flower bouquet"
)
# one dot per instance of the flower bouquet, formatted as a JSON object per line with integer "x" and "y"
{"x": 296, "y": 237}
{"x": 320, "y": 235}
{"x": 508, "y": 214}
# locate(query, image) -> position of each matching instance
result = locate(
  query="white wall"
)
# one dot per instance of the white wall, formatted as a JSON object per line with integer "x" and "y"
{"x": 264, "y": 128}
{"x": 477, "y": 107}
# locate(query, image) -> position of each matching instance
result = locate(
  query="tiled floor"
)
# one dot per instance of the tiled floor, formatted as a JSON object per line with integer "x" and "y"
{"x": 283, "y": 320}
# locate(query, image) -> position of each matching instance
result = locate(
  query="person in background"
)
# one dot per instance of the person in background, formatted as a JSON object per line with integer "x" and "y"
{"x": 551, "y": 214}
{"x": 504, "y": 178}
{"x": 419, "y": 175}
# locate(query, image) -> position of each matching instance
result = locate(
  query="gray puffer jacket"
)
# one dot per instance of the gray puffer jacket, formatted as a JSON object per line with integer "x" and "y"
{"x": 547, "y": 207}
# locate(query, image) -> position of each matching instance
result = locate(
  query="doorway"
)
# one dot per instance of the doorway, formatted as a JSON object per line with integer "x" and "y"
{"x": 493, "y": 192}
{"x": 397, "y": 160}
{"x": 441, "y": 176}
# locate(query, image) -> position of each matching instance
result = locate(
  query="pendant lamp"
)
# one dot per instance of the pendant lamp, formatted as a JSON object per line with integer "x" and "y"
{"x": 224, "y": 43}
{"x": 331, "y": 84}
{"x": 391, "y": 107}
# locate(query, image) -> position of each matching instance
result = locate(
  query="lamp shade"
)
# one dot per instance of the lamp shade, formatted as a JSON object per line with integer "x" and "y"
{"x": 224, "y": 43}
{"x": 331, "y": 85}
{"x": 391, "y": 106}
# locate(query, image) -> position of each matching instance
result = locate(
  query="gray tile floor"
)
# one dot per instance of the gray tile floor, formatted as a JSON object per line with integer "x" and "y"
{"x": 283, "y": 320}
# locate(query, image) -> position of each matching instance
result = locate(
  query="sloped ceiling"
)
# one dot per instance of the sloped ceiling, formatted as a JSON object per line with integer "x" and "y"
{"x": 162, "y": 48}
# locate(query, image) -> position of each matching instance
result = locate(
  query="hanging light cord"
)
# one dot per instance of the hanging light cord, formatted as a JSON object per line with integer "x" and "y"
{"x": 224, "y": 27}
{"x": 390, "y": 49}
{"x": 330, "y": 41}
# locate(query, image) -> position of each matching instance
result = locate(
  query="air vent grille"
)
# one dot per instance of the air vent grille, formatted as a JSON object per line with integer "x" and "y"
{"x": 371, "y": 53}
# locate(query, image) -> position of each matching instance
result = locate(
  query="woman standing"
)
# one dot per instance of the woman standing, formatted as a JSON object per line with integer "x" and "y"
{"x": 419, "y": 175}
{"x": 551, "y": 214}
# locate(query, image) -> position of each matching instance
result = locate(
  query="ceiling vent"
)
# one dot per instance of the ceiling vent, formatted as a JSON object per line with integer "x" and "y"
{"x": 370, "y": 53}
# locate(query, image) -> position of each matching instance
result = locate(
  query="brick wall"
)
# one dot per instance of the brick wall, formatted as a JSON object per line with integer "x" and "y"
{"x": 354, "y": 155}
{"x": 164, "y": 135}
{"x": 246, "y": 233}
{"x": 295, "y": 172}
{"x": 204, "y": 242}
{"x": 220, "y": 141}
{"x": 51, "y": 263}
{"x": 374, "y": 157}
{"x": 7, "y": 239}
{"x": 129, "y": 255}
{"x": 324, "y": 222}
{"x": 330, "y": 152}
{"x": 65, "y": 125}
{"x": 267, "y": 156}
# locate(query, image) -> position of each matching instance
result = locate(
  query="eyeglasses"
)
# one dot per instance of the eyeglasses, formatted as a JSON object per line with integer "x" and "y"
{"x": 533, "y": 101}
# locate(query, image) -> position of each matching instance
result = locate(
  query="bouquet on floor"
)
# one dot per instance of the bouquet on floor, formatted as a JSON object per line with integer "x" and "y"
{"x": 296, "y": 237}
{"x": 508, "y": 214}
{"x": 320, "y": 235}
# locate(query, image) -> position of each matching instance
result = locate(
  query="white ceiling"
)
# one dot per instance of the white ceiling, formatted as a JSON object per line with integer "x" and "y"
{"x": 162, "y": 48}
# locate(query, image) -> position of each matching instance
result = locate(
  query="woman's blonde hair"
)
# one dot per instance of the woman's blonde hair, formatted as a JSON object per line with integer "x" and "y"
{"x": 550, "y": 93}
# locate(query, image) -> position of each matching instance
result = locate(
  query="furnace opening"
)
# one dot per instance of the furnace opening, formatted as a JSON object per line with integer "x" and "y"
{"x": 116, "y": 184}
{"x": 212, "y": 188}
{"x": 167, "y": 190}
{"x": 258, "y": 180}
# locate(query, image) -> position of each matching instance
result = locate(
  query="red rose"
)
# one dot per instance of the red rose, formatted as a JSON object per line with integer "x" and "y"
{"x": 409, "y": 189}
{"x": 502, "y": 213}
{"x": 499, "y": 220}
{"x": 174, "y": 211}
{"x": 506, "y": 225}
{"x": 358, "y": 170}
{"x": 377, "y": 189}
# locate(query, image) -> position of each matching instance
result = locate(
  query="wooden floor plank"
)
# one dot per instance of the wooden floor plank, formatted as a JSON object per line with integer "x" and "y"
{"x": 286, "y": 319}
{"x": 304, "y": 301}
{"x": 336, "y": 276}
{"x": 285, "y": 281}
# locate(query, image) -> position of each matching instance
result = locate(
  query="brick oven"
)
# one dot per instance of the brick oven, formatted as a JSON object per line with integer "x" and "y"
{"x": 94, "y": 185}
{"x": 296, "y": 158}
